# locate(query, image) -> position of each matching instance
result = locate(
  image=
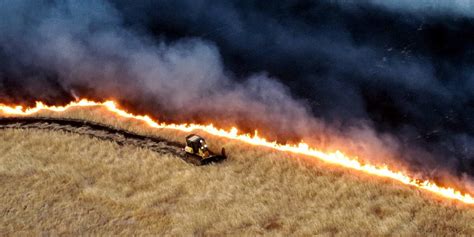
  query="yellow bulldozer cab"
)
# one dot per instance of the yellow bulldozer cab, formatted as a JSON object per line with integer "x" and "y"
{"x": 198, "y": 153}
{"x": 196, "y": 145}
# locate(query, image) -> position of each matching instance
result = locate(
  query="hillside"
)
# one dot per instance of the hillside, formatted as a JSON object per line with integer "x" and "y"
{"x": 62, "y": 183}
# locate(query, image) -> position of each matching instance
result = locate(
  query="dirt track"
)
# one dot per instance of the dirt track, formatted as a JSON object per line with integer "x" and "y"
{"x": 99, "y": 131}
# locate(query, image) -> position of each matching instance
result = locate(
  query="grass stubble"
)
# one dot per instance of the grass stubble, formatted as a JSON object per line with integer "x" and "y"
{"x": 61, "y": 183}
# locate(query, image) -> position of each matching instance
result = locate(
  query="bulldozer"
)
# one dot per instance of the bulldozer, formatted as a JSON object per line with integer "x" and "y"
{"x": 196, "y": 148}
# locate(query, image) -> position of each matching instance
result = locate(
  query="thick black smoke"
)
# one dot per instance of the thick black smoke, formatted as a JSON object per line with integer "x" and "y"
{"x": 384, "y": 78}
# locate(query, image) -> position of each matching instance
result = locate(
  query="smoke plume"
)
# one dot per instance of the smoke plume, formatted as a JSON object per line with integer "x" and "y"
{"x": 376, "y": 78}
{"x": 463, "y": 8}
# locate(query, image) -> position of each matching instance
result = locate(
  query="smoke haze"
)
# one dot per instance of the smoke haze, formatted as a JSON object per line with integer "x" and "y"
{"x": 453, "y": 8}
{"x": 387, "y": 80}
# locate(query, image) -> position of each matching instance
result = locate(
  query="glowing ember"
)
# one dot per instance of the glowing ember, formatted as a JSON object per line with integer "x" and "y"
{"x": 337, "y": 157}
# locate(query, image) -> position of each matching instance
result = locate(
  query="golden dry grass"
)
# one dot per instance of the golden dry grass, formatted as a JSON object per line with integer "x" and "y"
{"x": 60, "y": 183}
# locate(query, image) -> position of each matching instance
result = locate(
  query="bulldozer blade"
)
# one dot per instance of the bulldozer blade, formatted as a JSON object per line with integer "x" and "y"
{"x": 197, "y": 160}
{"x": 213, "y": 159}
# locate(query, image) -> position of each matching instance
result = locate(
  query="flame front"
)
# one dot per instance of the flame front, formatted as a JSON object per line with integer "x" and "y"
{"x": 337, "y": 158}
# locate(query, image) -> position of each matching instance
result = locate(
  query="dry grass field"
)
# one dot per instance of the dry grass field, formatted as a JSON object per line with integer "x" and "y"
{"x": 61, "y": 183}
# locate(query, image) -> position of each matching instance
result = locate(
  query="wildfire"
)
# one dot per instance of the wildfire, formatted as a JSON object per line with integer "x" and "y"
{"x": 337, "y": 157}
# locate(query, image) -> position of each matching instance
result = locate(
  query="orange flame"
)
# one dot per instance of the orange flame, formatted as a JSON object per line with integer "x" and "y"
{"x": 337, "y": 158}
